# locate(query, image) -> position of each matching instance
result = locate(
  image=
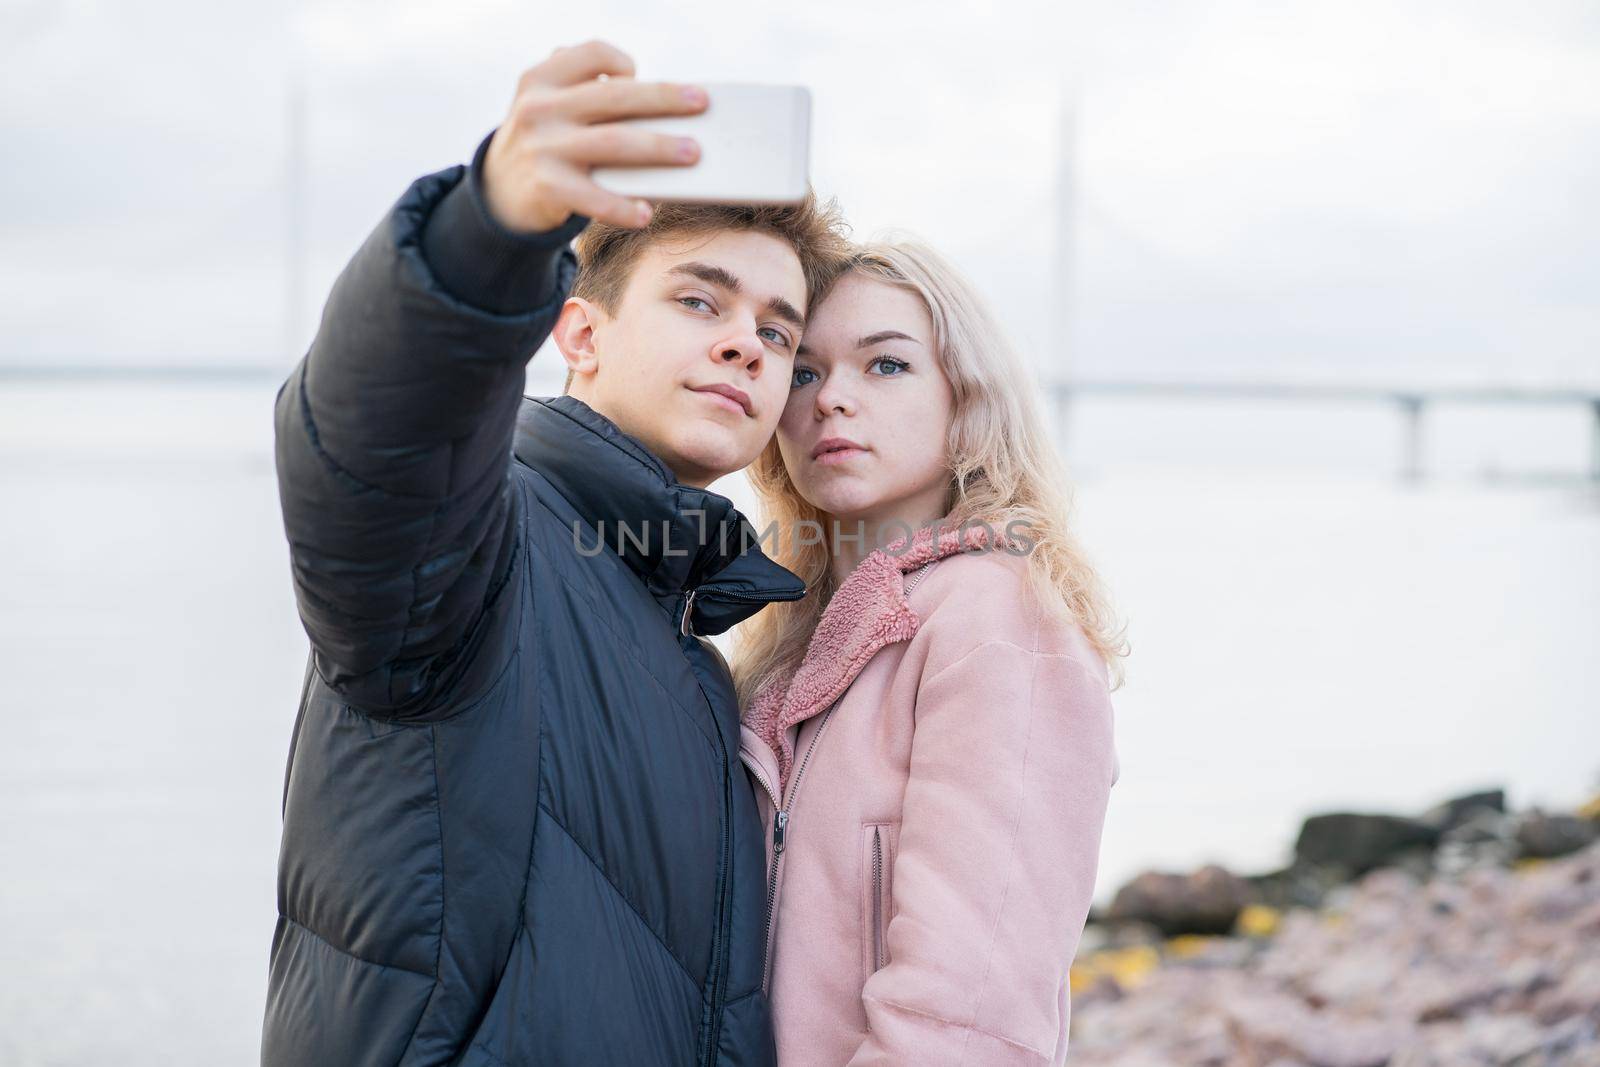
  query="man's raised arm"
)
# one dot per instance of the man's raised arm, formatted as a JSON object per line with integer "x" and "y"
{"x": 394, "y": 431}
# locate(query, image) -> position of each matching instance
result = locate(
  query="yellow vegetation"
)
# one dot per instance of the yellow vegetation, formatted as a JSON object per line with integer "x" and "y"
{"x": 1258, "y": 920}
{"x": 1185, "y": 945}
{"x": 1129, "y": 967}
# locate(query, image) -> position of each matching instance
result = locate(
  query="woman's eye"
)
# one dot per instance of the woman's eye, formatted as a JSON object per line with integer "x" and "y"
{"x": 794, "y": 379}
{"x": 889, "y": 361}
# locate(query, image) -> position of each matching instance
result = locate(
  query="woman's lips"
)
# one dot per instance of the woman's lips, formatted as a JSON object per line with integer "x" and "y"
{"x": 840, "y": 455}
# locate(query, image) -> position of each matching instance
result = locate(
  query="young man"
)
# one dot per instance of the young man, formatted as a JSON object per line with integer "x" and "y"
{"x": 516, "y": 827}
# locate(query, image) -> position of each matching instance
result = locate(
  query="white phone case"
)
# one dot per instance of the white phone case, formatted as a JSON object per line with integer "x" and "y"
{"x": 755, "y": 148}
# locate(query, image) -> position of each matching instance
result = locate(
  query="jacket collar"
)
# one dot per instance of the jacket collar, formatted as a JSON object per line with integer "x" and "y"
{"x": 678, "y": 539}
{"x": 868, "y": 611}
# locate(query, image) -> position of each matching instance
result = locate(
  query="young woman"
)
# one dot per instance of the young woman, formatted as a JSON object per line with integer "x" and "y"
{"x": 930, "y": 728}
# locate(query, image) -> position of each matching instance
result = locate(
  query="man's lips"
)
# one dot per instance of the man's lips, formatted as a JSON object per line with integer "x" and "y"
{"x": 731, "y": 393}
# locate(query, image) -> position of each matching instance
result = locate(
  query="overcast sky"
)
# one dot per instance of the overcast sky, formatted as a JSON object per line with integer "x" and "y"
{"x": 1355, "y": 189}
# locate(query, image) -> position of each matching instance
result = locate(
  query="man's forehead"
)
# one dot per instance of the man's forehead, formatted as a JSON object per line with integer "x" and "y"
{"x": 749, "y": 256}
{"x": 735, "y": 262}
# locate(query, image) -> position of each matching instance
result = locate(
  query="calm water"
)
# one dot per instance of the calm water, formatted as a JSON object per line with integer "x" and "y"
{"x": 1307, "y": 633}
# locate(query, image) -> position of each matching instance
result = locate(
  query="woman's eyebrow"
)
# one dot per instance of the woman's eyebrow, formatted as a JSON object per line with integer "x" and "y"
{"x": 885, "y": 335}
{"x": 867, "y": 341}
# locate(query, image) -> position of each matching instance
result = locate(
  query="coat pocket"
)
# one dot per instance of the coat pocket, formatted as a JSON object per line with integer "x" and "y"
{"x": 877, "y": 894}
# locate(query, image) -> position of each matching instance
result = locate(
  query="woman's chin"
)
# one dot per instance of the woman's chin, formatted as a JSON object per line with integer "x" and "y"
{"x": 844, "y": 500}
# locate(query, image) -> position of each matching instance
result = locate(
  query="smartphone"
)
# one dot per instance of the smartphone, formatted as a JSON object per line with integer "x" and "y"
{"x": 755, "y": 148}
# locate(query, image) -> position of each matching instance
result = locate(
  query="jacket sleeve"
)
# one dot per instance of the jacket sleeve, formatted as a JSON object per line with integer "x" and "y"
{"x": 1012, "y": 763}
{"x": 393, "y": 446}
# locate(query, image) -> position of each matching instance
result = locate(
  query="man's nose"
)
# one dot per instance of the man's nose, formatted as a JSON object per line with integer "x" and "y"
{"x": 740, "y": 346}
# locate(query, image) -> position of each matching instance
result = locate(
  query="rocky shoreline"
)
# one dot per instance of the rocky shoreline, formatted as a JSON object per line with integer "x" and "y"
{"x": 1467, "y": 935}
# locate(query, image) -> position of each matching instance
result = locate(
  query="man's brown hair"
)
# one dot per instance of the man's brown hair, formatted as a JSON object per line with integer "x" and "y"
{"x": 815, "y": 229}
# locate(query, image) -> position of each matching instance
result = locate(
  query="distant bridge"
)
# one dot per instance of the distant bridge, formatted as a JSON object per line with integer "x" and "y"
{"x": 1410, "y": 401}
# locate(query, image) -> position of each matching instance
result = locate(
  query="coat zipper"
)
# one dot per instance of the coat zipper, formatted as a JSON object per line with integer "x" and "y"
{"x": 877, "y": 898}
{"x": 780, "y": 826}
{"x": 780, "y": 817}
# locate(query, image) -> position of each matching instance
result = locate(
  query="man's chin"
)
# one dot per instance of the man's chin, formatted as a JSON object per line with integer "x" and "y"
{"x": 712, "y": 452}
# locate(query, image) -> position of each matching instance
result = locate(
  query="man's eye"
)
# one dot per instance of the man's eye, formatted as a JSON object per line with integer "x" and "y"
{"x": 687, "y": 300}
{"x": 794, "y": 379}
{"x": 778, "y": 336}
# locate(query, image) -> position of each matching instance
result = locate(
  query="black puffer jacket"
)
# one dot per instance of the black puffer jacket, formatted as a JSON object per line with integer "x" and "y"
{"x": 516, "y": 828}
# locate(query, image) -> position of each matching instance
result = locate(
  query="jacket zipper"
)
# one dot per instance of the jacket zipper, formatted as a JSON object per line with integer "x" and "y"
{"x": 726, "y": 594}
{"x": 877, "y": 899}
{"x": 718, "y": 976}
{"x": 719, "y": 973}
{"x": 688, "y": 610}
{"x": 765, "y": 598}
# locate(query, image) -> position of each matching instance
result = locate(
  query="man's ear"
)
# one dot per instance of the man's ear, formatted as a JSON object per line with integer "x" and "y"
{"x": 574, "y": 334}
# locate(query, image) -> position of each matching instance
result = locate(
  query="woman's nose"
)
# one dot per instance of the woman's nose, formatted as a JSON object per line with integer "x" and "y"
{"x": 831, "y": 398}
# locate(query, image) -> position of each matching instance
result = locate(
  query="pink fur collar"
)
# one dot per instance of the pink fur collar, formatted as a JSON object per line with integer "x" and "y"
{"x": 868, "y": 611}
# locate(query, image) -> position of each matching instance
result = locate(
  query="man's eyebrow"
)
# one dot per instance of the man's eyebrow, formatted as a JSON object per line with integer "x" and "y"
{"x": 709, "y": 273}
{"x": 786, "y": 311}
{"x": 870, "y": 340}
{"x": 723, "y": 278}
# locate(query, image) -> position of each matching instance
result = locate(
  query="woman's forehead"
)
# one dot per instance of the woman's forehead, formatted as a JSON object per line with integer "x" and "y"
{"x": 858, "y": 309}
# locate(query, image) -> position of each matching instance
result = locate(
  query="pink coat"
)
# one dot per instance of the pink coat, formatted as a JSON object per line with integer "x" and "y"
{"x": 941, "y": 822}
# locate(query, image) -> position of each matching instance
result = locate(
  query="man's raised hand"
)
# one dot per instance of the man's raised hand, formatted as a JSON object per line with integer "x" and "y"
{"x": 566, "y": 119}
